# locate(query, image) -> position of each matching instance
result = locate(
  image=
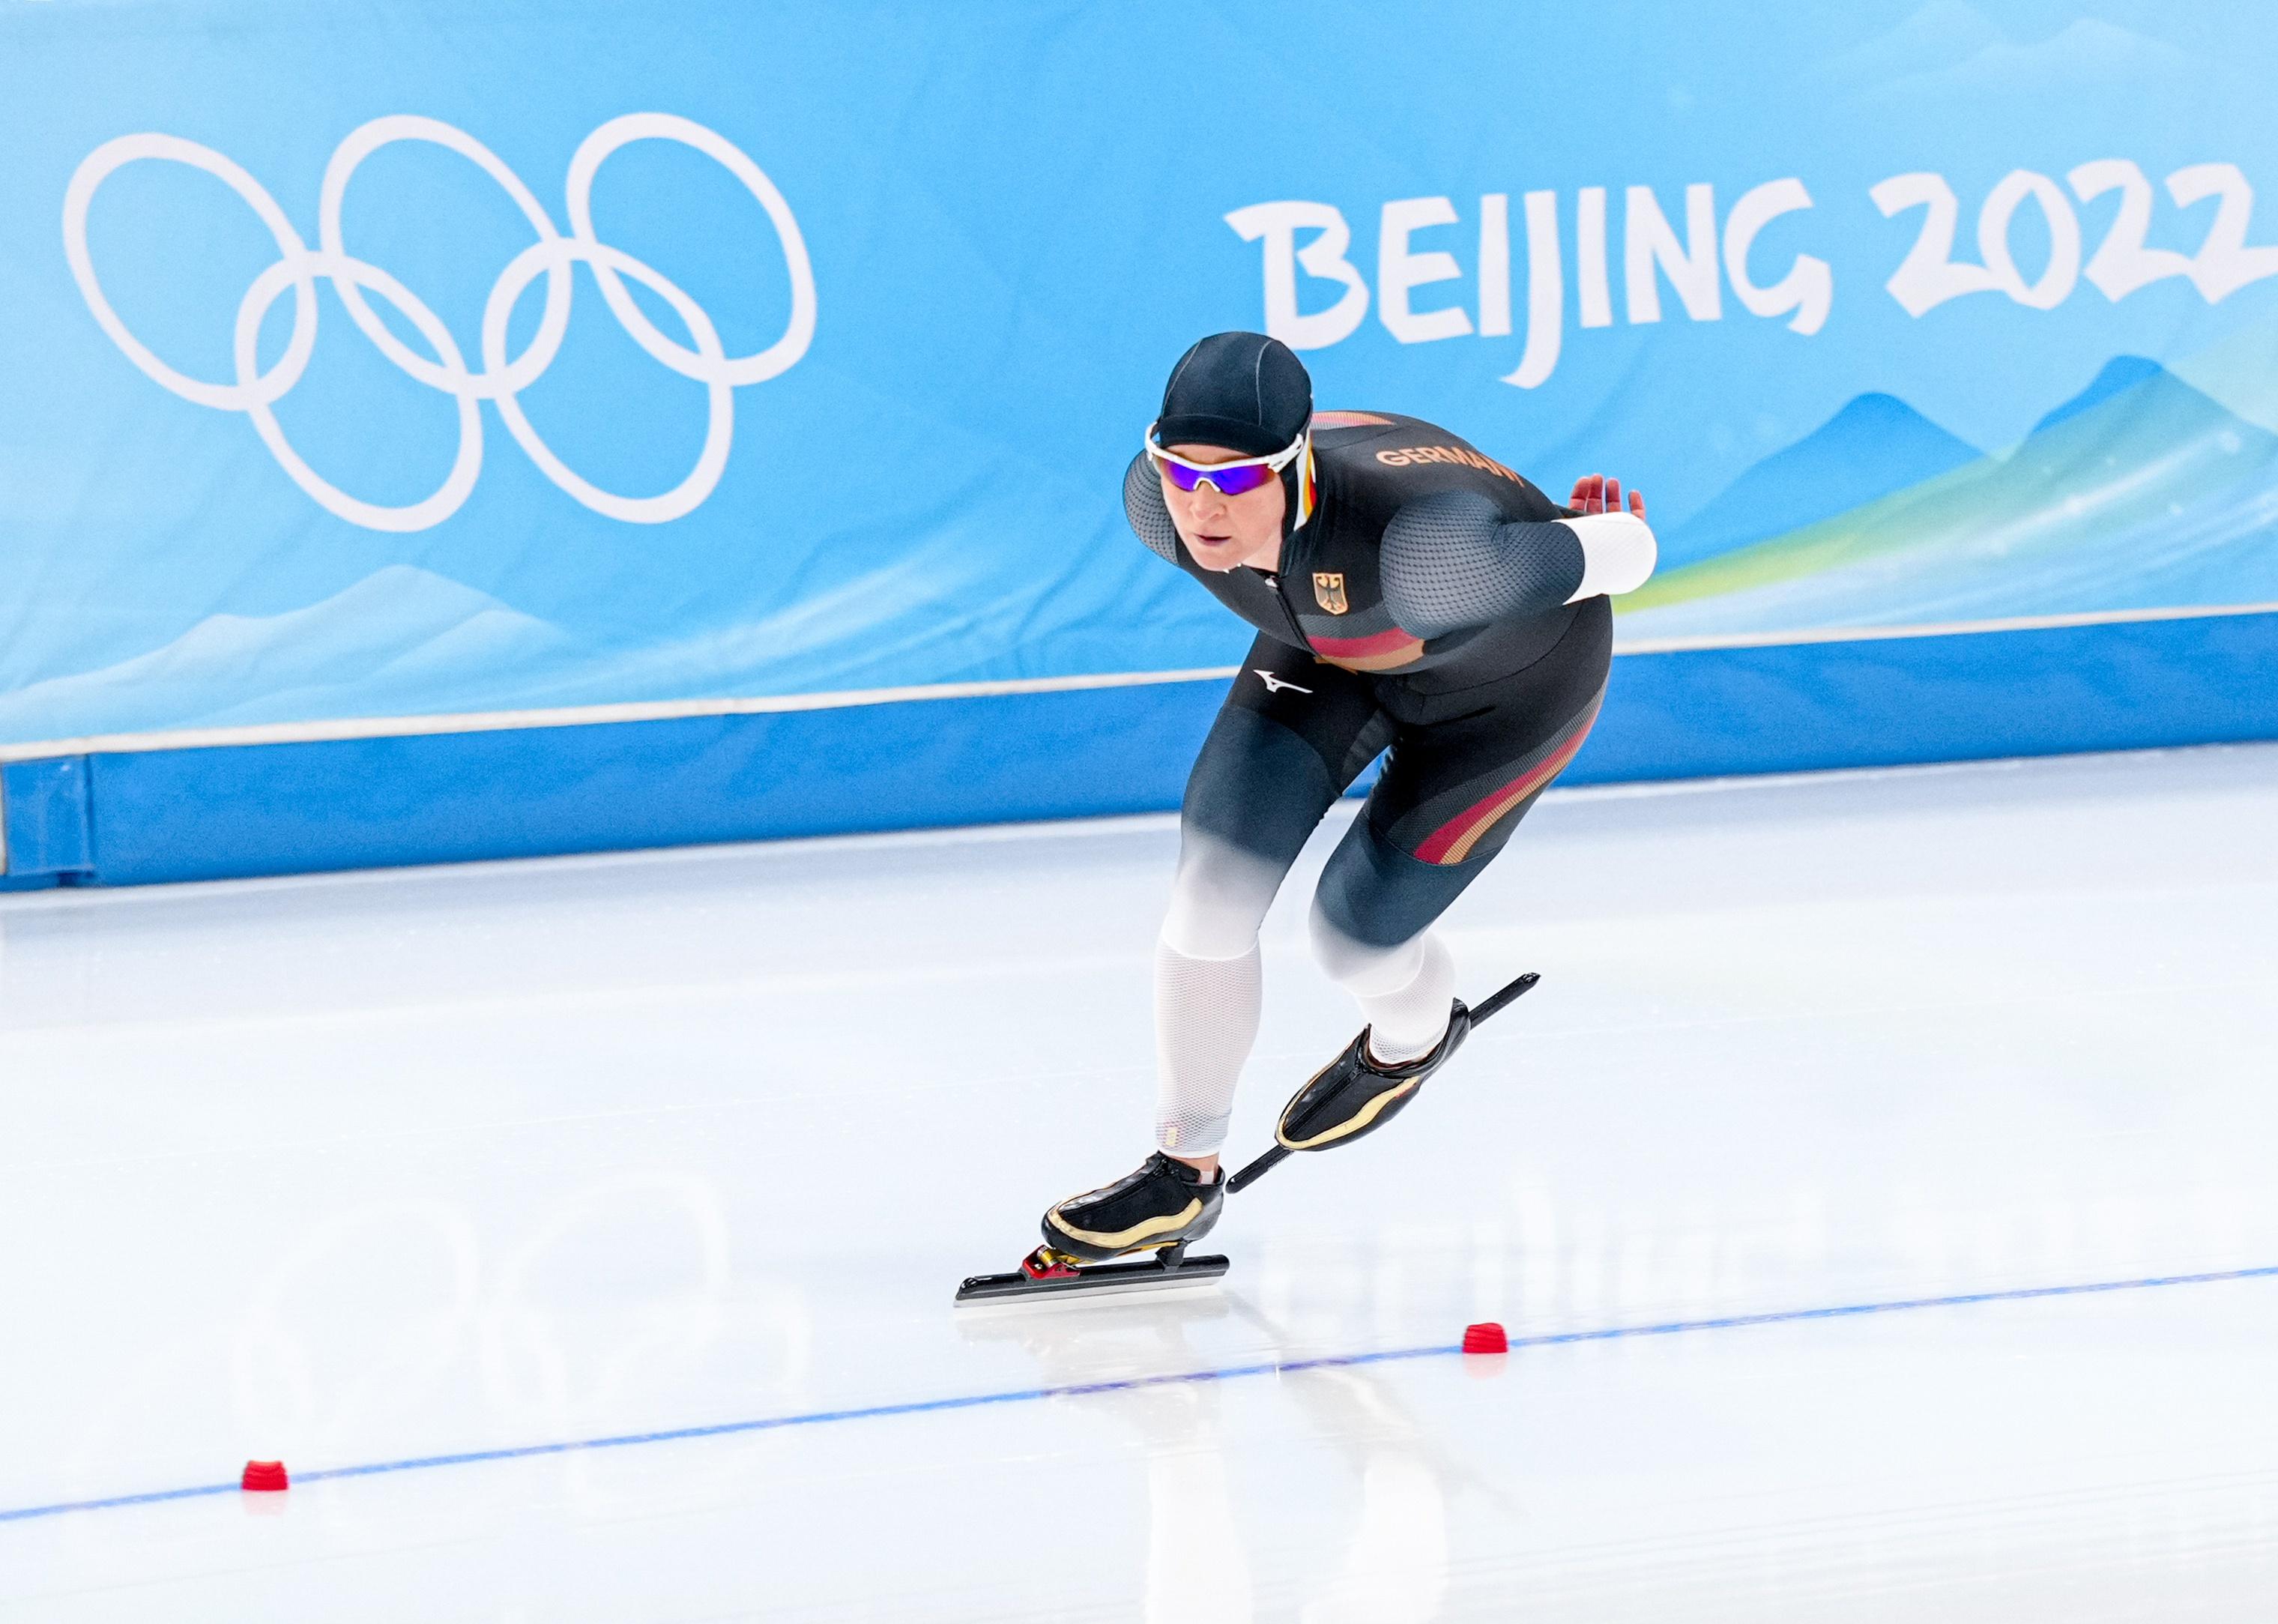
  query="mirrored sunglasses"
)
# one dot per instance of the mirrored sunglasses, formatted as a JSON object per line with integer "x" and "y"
{"x": 1234, "y": 478}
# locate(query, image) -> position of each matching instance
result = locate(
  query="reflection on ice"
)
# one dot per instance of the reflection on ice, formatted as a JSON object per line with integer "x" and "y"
{"x": 372, "y": 1169}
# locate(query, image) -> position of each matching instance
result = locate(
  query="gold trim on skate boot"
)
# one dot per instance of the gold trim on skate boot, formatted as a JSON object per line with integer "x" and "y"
{"x": 1124, "y": 1240}
{"x": 1351, "y": 1125}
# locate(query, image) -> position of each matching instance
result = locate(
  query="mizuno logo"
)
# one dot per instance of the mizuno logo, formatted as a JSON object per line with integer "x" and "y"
{"x": 1275, "y": 685}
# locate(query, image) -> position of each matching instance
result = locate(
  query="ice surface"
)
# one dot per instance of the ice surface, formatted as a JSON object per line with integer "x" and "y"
{"x": 367, "y": 1169}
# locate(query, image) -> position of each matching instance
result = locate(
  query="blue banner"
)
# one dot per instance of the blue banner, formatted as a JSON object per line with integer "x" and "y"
{"x": 416, "y": 359}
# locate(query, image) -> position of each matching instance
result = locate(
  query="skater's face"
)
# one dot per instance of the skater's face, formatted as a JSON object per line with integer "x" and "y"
{"x": 1221, "y": 532}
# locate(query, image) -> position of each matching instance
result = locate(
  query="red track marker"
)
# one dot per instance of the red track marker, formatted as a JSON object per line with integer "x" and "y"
{"x": 1486, "y": 1337}
{"x": 264, "y": 1477}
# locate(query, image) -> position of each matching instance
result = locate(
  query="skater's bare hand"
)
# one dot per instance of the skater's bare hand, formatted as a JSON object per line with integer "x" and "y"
{"x": 1602, "y": 494}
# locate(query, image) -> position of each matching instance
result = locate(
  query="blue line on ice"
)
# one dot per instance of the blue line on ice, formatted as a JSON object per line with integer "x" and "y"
{"x": 1225, "y": 1373}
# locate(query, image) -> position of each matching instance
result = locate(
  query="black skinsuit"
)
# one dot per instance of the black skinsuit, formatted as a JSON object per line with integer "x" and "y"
{"x": 1421, "y": 607}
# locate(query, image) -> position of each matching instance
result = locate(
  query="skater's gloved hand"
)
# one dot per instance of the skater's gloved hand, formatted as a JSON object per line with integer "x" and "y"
{"x": 1602, "y": 494}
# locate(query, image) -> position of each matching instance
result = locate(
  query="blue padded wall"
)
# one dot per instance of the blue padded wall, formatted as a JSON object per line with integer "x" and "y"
{"x": 204, "y": 813}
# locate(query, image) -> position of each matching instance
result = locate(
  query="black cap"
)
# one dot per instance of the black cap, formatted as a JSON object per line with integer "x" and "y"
{"x": 1245, "y": 391}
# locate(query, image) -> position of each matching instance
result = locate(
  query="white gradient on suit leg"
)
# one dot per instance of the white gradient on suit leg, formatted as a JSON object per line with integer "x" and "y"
{"x": 1405, "y": 991}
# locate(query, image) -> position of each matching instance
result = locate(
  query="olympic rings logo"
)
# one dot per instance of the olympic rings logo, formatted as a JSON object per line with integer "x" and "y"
{"x": 500, "y": 378}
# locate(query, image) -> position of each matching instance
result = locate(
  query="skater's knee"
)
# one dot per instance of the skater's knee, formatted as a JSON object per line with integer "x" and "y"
{"x": 1197, "y": 930}
{"x": 1367, "y": 968}
{"x": 1218, "y": 899}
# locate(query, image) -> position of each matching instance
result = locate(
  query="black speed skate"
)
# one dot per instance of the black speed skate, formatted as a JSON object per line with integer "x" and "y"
{"x": 1163, "y": 1204}
{"x": 1157, "y": 1211}
{"x": 1354, "y": 1094}
{"x": 1132, "y": 1233}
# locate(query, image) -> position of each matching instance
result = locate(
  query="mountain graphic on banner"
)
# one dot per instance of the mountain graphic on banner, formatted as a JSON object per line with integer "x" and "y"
{"x": 2137, "y": 493}
{"x": 1874, "y": 445}
{"x": 384, "y": 642}
{"x": 2121, "y": 374}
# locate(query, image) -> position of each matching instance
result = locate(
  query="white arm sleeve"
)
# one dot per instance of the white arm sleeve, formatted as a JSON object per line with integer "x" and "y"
{"x": 1617, "y": 554}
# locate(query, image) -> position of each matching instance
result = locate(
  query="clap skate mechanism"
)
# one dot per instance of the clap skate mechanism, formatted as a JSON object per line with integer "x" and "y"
{"x": 1047, "y": 1273}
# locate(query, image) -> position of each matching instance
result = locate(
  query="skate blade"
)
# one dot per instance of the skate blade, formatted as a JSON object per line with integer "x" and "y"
{"x": 1094, "y": 1280}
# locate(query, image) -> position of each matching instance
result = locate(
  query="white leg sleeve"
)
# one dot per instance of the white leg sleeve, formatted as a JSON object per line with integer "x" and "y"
{"x": 1207, "y": 990}
{"x": 1404, "y": 991}
{"x": 1205, "y": 1020}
